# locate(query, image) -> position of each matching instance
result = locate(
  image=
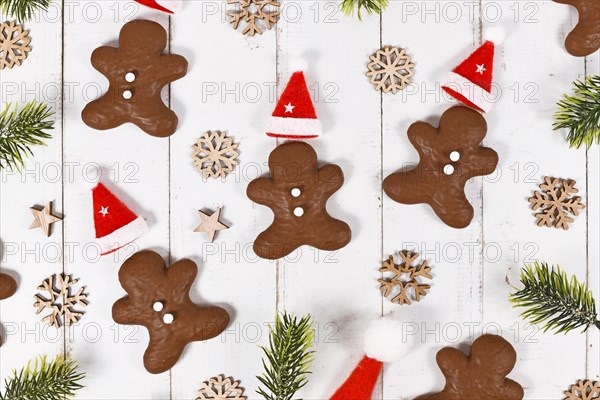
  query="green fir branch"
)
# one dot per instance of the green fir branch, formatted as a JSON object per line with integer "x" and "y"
{"x": 580, "y": 113}
{"x": 54, "y": 380}
{"x": 288, "y": 357}
{"x": 23, "y": 10}
{"x": 549, "y": 297}
{"x": 371, "y": 6}
{"x": 20, "y": 130}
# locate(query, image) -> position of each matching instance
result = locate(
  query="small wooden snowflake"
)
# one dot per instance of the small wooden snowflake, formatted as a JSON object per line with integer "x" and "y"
{"x": 14, "y": 44}
{"x": 215, "y": 154}
{"x": 220, "y": 388}
{"x": 556, "y": 202}
{"x": 61, "y": 301}
{"x": 252, "y": 12}
{"x": 405, "y": 277}
{"x": 390, "y": 69}
{"x": 583, "y": 390}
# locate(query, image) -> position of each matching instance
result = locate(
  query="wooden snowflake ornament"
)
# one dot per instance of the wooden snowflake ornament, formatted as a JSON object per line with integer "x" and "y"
{"x": 405, "y": 277}
{"x": 583, "y": 390}
{"x": 252, "y": 12}
{"x": 14, "y": 44}
{"x": 557, "y": 202}
{"x": 390, "y": 69}
{"x": 215, "y": 155}
{"x": 220, "y": 388}
{"x": 62, "y": 302}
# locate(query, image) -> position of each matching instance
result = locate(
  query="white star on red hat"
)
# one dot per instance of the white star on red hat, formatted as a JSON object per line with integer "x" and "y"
{"x": 289, "y": 108}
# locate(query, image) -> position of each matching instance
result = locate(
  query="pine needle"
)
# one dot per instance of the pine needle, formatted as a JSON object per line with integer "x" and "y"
{"x": 54, "y": 380}
{"x": 23, "y": 10}
{"x": 551, "y": 298}
{"x": 371, "y": 6}
{"x": 580, "y": 113}
{"x": 19, "y": 131}
{"x": 288, "y": 357}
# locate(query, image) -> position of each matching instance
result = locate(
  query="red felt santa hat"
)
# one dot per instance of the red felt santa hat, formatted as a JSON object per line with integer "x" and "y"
{"x": 294, "y": 116}
{"x": 115, "y": 224}
{"x": 166, "y": 6}
{"x": 471, "y": 82}
{"x": 383, "y": 344}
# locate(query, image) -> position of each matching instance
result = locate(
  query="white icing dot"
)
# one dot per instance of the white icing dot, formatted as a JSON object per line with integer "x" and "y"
{"x": 455, "y": 156}
{"x": 158, "y": 306}
{"x": 298, "y": 211}
{"x": 127, "y": 94}
{"x": 448, "y": 169}
{"x": 296, "y": 192}
{"x": 168, "y": 319}
{"x": 130, "y": 77}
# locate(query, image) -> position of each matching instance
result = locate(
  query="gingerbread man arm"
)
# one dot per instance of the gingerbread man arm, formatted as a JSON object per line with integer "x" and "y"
{"x": 181, "y": 276}
{"x": 103, "y": 58}
{"x": 482, "y": 161}
{"x": 330, "y": 178}
{"x": 175, "y": 64}
{"x": 259, "y": 191}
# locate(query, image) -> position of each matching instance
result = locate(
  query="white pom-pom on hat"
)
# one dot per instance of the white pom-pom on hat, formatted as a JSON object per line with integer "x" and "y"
{"x": 495, "y": 34}
{"x": 385, "y": 341}
{"x": 298, "y": 64}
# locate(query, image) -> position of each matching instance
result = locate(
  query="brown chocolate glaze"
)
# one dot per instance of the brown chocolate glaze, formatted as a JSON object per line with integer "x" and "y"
{"x": 461, "y": 130}
{"x": 584, "y": 39}
{"x": 297, "y": 183}
{"x": 139, "y": 54}
{"x": 8, "y": 287}
{"x": 481, "y": 375}
{"x": 147, "y": 281}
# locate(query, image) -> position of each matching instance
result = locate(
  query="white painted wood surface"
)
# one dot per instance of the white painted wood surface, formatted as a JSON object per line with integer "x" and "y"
{"x": 232, "y": 85}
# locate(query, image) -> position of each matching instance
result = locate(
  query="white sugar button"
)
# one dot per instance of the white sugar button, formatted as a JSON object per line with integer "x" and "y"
{"x": 448, "y": 169}
{"x": 298, "y": 211}
{"x": 168, "y": 318}
{"x": 455, "y": 156}
{"x": 158, "y": 306}
{"x": 130, "y": 77}
{"x": 127, "y": 94}
{"x": 296, "y": 192}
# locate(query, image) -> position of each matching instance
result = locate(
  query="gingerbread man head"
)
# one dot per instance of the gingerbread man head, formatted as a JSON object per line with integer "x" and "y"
{"x": 297, "y": 193}
{"x": 481, "y": 375}
{"x": 448, "y": 157}
{"x": 137, "y": 71}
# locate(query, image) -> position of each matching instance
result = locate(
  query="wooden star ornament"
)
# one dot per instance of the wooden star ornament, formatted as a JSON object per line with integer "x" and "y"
{"x": 43, "y": 219}
{"x": 210, "y": 224}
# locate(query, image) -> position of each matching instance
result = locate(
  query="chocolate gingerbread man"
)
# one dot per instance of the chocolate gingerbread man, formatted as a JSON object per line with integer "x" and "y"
{"x": 137, "y": 71}
{"x": 584, "y": 39}
{"x": 158, "y": 298}
{"x": 482, "y": 374}
{"x": 8, "y": 287}
{"x": 448, "y": 157}
{"x": 297, "y": 193}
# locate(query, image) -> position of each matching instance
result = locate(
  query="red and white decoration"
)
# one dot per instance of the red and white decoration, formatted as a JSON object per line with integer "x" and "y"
{"x": 294, "y": 116}
{"x": 471, "y": 82}
{"x": 383, "y": 344}
{"x": 166, "y": 6}
{"x": 115, "y": 224}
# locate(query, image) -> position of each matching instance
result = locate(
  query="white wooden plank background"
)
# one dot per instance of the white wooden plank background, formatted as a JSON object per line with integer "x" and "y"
{"x": 232, "y": 85}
